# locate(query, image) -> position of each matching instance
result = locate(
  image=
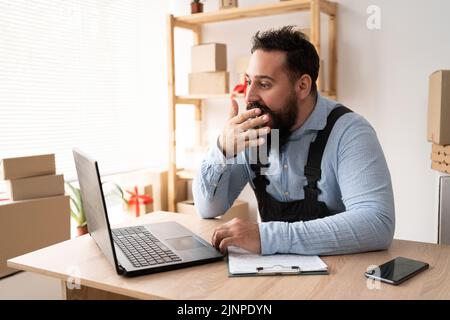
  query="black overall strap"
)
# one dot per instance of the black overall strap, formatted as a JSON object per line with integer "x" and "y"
{"x": 313, "y": 170}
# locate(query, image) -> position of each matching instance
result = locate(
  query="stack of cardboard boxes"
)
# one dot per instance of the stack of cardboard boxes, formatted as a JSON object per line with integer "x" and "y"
{"x": 440, "y": 157}
{"x": 209, "y": 69}
{"x": 34, "y": 213}
{"x": 439, "y": 120}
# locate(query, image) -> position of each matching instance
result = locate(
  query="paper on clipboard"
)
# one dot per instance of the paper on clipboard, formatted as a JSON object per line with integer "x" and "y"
{"x": 241, "y": 262}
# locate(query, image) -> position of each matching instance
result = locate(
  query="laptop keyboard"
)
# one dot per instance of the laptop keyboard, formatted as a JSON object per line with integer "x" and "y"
{"x": 142, "y": 248}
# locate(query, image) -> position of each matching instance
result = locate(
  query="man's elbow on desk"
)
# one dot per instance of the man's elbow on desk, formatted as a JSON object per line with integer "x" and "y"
{"x": 377, "y": 236}
{"x": 384, "y": 228}
{"x": 207, "y": 208}
{"x": 388, "y": 235}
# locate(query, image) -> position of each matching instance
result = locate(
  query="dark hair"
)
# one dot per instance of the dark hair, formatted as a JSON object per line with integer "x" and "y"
{"x": 302, "y": 57}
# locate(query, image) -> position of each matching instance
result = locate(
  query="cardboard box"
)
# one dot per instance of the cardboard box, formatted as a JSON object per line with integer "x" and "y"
{"x": 145, "y": 195}
{"x": 440, "y": 166}
{"x": 440, "y": 157}
{"x": 24, "y": 167}
{"x": 35, "y": 187}
{"x": 241, "y": 64}
{"x": 209, "y": 82}
{"x": 209, "y": 57}
{"x": 439, "y": 108}
{"x": 29, "y": 225}
{"x": 239, "y": 209}
{"x": 189, "y": 190}
{"x": 440, "y": 149}
{"x": 226, "y": 4}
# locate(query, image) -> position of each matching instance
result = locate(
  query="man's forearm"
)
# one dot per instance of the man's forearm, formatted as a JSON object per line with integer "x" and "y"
{"x": 359, "y": 230}
{"x": 217, "y": 184}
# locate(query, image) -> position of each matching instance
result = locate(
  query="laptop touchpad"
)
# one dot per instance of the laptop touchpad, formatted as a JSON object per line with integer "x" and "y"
{"x": 185, "y": 243}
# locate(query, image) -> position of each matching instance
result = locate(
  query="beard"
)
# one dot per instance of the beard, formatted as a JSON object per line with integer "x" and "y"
{"x": 283, "y": 120}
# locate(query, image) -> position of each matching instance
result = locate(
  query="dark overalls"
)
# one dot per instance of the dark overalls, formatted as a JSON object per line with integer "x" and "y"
{"x": 308, "y": 208}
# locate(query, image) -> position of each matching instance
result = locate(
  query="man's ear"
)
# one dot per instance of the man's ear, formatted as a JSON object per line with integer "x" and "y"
{"x": 303, "y": 86}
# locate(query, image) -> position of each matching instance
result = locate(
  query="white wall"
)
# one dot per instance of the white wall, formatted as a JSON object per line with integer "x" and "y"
{"x": 153, "y": 33}
{"x": 383, "y": 75}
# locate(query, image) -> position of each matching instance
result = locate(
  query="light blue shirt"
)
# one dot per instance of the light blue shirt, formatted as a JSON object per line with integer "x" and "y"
{"x": 355, "y": 186}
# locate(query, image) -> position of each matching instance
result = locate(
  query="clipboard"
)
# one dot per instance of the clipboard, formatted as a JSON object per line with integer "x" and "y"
{"x": 242, "y": 263}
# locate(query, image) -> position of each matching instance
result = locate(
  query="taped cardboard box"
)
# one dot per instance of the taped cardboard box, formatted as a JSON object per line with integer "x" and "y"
{"x": 29, "y": 225}
{"x": 35, "y": 187}
{"x": 209, "y": 57}
{"x": 439, "y": 108}
{"x": 239, "y": 209}
{"x": 24, "y": 167}
{"x": 209, "y": 82}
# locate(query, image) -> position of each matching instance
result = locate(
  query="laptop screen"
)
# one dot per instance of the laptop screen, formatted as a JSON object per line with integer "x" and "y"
{"x": 94, "y": 204}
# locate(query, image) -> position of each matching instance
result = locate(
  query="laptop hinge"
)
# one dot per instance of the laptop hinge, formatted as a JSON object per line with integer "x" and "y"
{"x": 121, "y": 269}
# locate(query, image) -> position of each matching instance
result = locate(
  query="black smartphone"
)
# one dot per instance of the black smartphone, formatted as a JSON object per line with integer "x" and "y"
{"x": 397, "y": 270}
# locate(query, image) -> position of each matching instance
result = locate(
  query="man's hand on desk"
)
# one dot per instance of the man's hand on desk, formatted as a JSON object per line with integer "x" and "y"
{"x": 239, "y": 233}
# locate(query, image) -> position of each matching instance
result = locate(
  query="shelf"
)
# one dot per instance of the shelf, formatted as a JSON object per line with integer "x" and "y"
{"x": 282, "y": 7}
{"x": 187, "y": 98}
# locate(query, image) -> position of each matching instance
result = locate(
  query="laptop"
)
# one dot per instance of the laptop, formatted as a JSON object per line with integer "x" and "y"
{"x": 140, "y": 249}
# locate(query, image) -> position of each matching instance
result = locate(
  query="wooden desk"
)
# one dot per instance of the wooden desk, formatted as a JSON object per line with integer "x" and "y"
{"x": 211, "y": 281}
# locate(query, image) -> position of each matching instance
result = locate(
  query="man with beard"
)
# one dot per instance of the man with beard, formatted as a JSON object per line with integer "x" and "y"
{"x": 327, "y": 190}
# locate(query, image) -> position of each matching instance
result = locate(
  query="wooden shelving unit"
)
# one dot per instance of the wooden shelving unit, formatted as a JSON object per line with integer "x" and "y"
{"x": 194, "y": 23}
